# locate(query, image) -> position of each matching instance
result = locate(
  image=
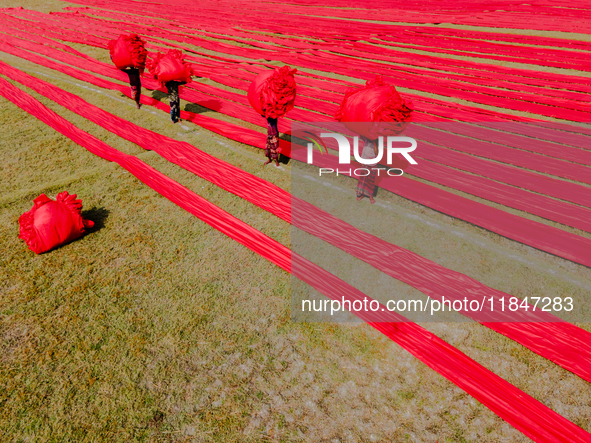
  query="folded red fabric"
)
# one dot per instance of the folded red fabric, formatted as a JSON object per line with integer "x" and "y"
{"x": 128, "y": 52}
{"x": 272, "y": 94}
{"x": 52, "y": 223}
{"x": 375, "y": 109}
{"x": 170, "y": 67}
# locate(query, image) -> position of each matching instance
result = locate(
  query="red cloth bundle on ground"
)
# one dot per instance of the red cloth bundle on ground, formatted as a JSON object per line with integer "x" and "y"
{"x": 128, "y": 52}
{"x": 52, "y": 223}
{"x": 170, "y": 67}
{"x": 272, "y": 94}
{"x": 374, "y": 110}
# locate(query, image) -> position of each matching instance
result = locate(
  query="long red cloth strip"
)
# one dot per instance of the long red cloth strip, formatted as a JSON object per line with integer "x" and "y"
{"x": 513, "y": 405}
{"x": 540, "y": 55}
{"x": 438, "y": 32}
{"x": 426, "y": 76}
{"x": 484, "y": 151}
{"x": 568, "y": 344}
{"x": 560, "y": 20}
{"x": 522, "y": 76}
{"x": 519, "y": 158}
{"x": 426, "y": 102}
{"x": 409, "y": 77}
{"x": 483, "y": 70}
{"x": 543, "y": 237}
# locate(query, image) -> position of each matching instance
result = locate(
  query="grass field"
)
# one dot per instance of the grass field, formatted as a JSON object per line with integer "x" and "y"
{"x": 155, "y": 327}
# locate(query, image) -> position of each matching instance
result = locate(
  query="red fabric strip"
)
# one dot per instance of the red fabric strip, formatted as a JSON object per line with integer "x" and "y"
{"x": 525, "y": 413}
{"x": 543, "y": 237}
{"x": 559, "y": 20}
{"x": 567, "y": 348}
{"x": 422, "y": 79}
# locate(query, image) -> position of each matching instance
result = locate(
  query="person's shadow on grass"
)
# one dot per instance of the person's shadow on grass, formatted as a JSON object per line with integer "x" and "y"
{"x": 198, "y": 109}
{"x": 286, "y": 138}
{"x": 98, "y": 215}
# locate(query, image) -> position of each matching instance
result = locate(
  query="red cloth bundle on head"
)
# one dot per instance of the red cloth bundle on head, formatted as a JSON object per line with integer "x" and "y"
{"x": 52, "y": 223}
{"x": 374, "y": 110}
{"x": 170, "y": 67}
{"x": 272, "y": 93}
{"x": 128, "y": 52}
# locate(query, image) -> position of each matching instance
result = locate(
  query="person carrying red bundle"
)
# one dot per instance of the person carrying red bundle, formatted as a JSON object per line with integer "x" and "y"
{"x": 272, "y": 94}
{"x": 129, "y": 55}
{"x": 372, "y": 111}
{"x": 171, "y": 71}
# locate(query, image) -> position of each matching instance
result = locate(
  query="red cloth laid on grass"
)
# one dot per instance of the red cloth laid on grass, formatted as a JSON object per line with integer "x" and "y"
{"x": 128, "y": 52}
{"x": 374, "y": 110}
{"x": 272, "y": 93}
{"x": 170, "y": 67}
{"x": 544, "y": 237}
{"x": 538, "y": 422}
{"x": 52, "y": 223}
